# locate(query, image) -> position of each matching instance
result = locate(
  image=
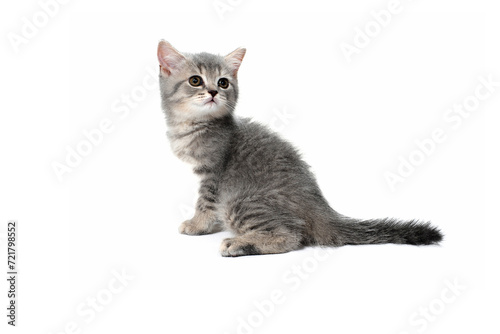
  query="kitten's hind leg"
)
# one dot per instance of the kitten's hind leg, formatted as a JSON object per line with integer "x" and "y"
{"x": 280, "y": 240}
{"x": 261, "y": 228}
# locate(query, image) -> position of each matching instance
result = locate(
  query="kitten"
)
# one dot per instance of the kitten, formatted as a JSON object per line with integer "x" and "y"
{"x": 253, "y": 182}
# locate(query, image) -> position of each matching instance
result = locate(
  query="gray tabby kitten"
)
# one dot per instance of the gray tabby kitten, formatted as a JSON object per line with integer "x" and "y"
{"x": 253, "y": 182}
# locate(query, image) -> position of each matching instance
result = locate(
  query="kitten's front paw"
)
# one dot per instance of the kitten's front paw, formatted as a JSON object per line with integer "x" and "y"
{"x": 235, "y": 247}
{"x": 190, "y": 228}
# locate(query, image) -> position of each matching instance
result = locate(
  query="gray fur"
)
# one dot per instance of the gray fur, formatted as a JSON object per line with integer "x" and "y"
{"x": 252, "y": 182}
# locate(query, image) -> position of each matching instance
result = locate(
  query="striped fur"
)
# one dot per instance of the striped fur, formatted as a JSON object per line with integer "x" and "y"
{"x": 253, "y": 182}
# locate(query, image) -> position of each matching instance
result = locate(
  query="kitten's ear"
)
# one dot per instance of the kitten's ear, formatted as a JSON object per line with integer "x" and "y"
{"x": 169, "y": 58}
{"x": 234, "y": 59}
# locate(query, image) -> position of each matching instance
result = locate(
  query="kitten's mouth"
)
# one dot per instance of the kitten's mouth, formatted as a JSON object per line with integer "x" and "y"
{"x": 211, "y": 102}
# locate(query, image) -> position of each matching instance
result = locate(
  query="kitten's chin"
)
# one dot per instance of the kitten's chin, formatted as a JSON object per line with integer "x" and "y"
{"x": 210, "y": 109}
{"x": 197, "y": 112}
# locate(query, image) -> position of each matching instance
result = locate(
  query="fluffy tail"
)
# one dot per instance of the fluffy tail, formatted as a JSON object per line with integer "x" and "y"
{"x": 350, "y": 231}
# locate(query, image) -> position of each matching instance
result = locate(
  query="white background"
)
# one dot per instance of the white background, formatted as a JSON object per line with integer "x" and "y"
{"x": 119, "y": 209}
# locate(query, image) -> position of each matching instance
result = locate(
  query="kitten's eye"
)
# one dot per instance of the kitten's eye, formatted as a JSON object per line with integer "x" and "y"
{"x": 223, "y": 83}
{"x": 195, "y": 81}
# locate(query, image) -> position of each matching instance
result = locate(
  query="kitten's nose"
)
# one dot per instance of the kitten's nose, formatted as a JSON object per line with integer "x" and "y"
{"x": 212, "y": 92}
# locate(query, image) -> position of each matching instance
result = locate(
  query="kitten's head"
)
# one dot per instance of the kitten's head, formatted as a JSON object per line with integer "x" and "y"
{"x": 198, "y": 86}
